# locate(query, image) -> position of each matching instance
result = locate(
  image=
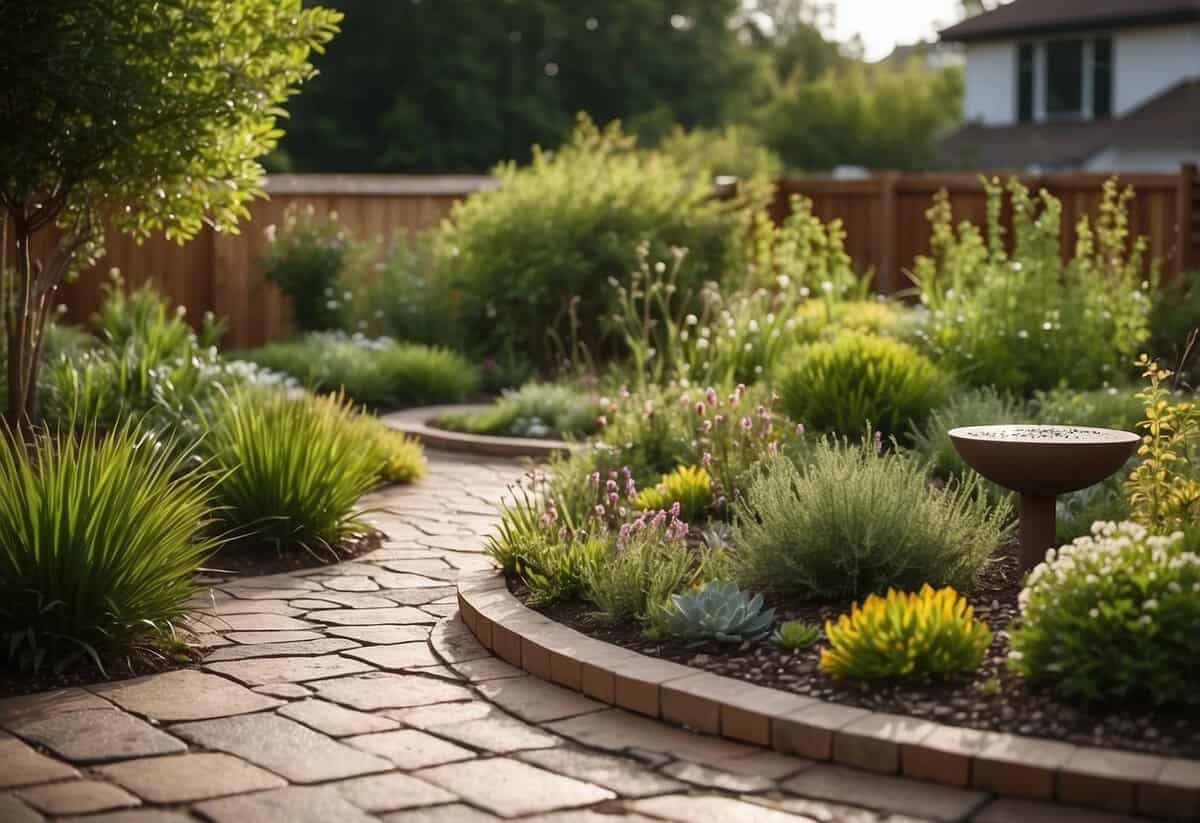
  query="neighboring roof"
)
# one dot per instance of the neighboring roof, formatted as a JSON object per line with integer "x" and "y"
{"x": 1023, "y": 17}
{"x": 1172, "y": 118}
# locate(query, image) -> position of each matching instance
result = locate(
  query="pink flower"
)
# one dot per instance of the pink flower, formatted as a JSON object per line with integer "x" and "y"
{"x": 878, "y": 441}
{"x": 700, "y": 409}
{"x": 595, "y": 479}
{"x": 706, "y": 459}
{"x": 746, "y": 424}
{"x": 711, "y": 396}
{"x": 772, "y": 448}
{"x": 602, "y": 421}
{"x": 799, "y": 429}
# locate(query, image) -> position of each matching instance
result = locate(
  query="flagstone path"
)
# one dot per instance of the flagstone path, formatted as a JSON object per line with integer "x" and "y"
{"x": 353, "y": 693}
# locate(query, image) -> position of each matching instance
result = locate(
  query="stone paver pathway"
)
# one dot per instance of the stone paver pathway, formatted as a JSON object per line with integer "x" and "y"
{"x": 353, "y": 693}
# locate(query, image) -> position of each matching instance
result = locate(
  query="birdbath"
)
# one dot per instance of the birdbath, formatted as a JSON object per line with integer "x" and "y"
{"x": 1039, "y": 463}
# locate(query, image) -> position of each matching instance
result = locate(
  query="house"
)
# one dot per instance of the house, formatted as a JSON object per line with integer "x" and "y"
{"x": 1093, "y": 85}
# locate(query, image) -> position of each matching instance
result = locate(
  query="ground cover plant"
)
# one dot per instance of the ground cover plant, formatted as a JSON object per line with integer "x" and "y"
{"x": 534, "y": 410}
{"x": 380, "y": 373}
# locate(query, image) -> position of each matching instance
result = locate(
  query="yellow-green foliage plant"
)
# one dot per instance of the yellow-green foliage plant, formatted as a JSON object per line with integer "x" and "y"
{"x": 1112, "y": 617}
{"x": 400, "y": 457}
{"x": 689, "y": 486}
{"x": 1164, "y": 489}
{"x": 932, "y": 634}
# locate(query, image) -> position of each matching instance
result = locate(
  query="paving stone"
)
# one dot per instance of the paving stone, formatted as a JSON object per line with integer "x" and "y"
{"x": 372, "y": 617}
{"x": 351, "y": 583}
{"x": 453, "y": 813}
{"x": 440, "y": 670}
{"x": 12, "y": 810}
{"x": 326, "y": 645}
{"x": 688, "y": 808}
{"x": 1105, "y": 779}
{"x": 260, "y": 623}
{"x": 764, "y": 764}
{"x": 442, "y": 714}
{"x": 285, "y": 691}
{"x": 511, "y": 788}
{"x": 441, "y": 610}
{"x": 454, "y": 642}
{"x": 410, "y": 749}
{"x": 381, "y": 635}
{"x": 295, "y": 804}
{"x": 260, "y": 638}
{"x": 1016, "y": 810}
{"x": 384, "y": 690}
{"x": 184, "y": 694}
{"x": 24, "y": 767}
{"x": 624, "y": 776}
{"x": 388, "y": 792}
{"x": 536, "y": 700}
{"x": 825, "y": 812}
{"x": 259, "y": 672}
{"x": 346, "y": 600}
{"x": 139, "y": 815}
{"x": 418, "y": 597}
{"x": 588, "y": 816}
{"x": 890, "y": 794}
{"x": 29, "y": 707}
{"x": 334, "y": 720}
{"x": 487, "y": 668}
{"x": 282, "y": 746}
{"x": 99, "y": 735}
{"x": 188, "y": 777}
{"x": 77, "y": 797}
{"x": 716, "y": 779}
{"x": 397, "y": 657}
{"x": 498, "y": 733}
{"x": 231, "y": 606}
{"x": 617, "y": 730}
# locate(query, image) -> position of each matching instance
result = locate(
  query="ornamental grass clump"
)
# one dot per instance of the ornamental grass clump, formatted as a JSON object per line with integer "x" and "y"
{"x": 852, "y": 520}
{"x": 1113, "y": 617}
{"x": 100, "y": 537}
{"x": 927, "y": 635}
{"x": 844, "y": 384}
{"x": 291, "y": 470}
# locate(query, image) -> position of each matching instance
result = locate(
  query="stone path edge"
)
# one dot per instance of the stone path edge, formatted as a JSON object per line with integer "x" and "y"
{"x": 418, "y": 422}
{"x": 1005, "y": 764}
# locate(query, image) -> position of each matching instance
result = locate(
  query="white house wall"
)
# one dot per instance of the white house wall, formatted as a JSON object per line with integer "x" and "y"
{"x": 1151, "y": 60}
{"x": 989, "y": 93}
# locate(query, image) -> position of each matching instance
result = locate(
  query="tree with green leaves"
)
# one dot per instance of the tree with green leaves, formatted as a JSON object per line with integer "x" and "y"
{"x": 145, "y": 115}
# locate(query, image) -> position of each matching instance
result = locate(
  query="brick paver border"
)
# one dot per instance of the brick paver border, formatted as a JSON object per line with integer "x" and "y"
{"x": 1005, "y": 764}
{"x": 419, "y": 423}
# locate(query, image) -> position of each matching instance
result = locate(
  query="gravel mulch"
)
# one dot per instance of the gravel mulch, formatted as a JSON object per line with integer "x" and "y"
{"x": 992, "y": 698}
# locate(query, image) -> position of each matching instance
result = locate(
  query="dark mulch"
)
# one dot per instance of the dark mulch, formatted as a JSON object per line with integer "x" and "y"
{"x": 252, "y": 558}
{"x": 992, "y": 698}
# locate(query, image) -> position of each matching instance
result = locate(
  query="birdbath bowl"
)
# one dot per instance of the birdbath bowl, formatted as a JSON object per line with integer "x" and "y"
{"x": 1040, "y": 462}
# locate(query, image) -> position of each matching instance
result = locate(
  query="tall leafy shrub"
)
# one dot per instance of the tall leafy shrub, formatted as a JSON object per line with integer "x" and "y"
{"x": 552, "y": 233}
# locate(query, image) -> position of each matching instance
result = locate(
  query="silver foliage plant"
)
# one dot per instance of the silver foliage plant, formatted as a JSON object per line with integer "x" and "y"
{"x": 719, "y": 611}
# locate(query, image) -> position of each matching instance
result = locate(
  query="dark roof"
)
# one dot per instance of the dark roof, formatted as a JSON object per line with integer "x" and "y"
{"x": 1171, "y": 118}
{"x": 1023, "y": 17}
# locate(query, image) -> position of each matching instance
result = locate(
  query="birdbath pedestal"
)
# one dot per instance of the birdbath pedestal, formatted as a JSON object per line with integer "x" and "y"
{"x": 1039, "y": 463}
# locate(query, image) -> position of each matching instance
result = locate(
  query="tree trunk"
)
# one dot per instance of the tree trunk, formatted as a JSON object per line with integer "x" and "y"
{"x": 18, "y": 296}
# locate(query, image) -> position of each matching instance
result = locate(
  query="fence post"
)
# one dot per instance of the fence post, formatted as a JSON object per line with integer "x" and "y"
{"x": 1189, "y": 218}
{"x": 888, "y": 278}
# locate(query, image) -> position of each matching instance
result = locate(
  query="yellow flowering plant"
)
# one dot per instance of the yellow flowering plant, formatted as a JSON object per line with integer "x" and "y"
{"x": 932, "y": 633}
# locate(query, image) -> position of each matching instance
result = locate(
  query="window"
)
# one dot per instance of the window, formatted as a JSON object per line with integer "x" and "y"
{"x": 1064, "y": 78}
{"x": 1025, "y": 75}
{"x": 1102, "y": 71}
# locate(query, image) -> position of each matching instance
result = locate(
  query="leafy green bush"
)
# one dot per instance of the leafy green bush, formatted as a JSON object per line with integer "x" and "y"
{"x": 855, "y": 379}
{"x": 380, "y": 373}
{"x": 400, "y": 457}
{"x": 718, "y": 611}
{"x": 307, "y": 258}
{"x": 855, "y": 520}
{"x": 823, "y": 319}
{"x": 1108, "y": 408}
{"x": 100, "y": 536}
{"x": 975, "y": 407}
{"x": 930, "y": 634}
{"x": 734, "y": 150}
{"x": 1112, "y": 617}
{"x": 534, "y": 410}
{"x": 1026, "y": 320}
{"x": 408, "y": 298}
{"x": 546, "y": 240}
{"x": 291, "y": 469}
{"x": 689, "y": 486}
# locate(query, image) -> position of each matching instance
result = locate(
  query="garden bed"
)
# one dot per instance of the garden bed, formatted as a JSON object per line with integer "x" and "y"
{"x": 992, "y": 698}
{"x": 421, "y": 423}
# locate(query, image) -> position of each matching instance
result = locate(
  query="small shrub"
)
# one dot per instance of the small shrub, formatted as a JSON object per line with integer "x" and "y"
{"x": 1107, "y": 408}
{"x": 795, "y": 635}
{"x": 735, "y": 150}
{"x": 636, "y": 580}
{"x": 556, "y": 570}
{"x": 291, "y": 470}
{"x": 931, "y": 634}
{"x": 1075, "y": 512}
{"x": 399, "y": 457}
{"x": 307, "y": 258}
{"x": 379, "y": 373}
{"x": 100, "y": 536}
{"x": 689, "y": 486}
{"x": 975, "y": 407}
{"x": 1112, "y": 617}
{"x": 823, "y": 319}
{"x": 853, "y": 520}
{"x": 855, "y": 379}
{"x": 718, "y": 611}
{"x": 409, "y": 299}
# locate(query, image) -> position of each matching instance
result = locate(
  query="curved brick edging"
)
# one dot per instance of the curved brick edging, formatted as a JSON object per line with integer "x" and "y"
{"x": 419, "y": 423}
{"x": 1005, "y": 764}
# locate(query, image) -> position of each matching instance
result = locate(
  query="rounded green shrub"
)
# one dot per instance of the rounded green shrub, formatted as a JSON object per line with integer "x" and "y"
{"x": 855, "y": 520}
{"x": 1113, "y": 616}
{"x": 100, "y": 537}
{"x": 843, "y": 384}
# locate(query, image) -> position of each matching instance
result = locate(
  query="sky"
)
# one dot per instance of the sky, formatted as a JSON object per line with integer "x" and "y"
{"x": 884, "y": 23}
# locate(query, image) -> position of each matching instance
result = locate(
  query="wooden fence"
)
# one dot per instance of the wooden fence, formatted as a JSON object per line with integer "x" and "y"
{"x": 884, "y": 217}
